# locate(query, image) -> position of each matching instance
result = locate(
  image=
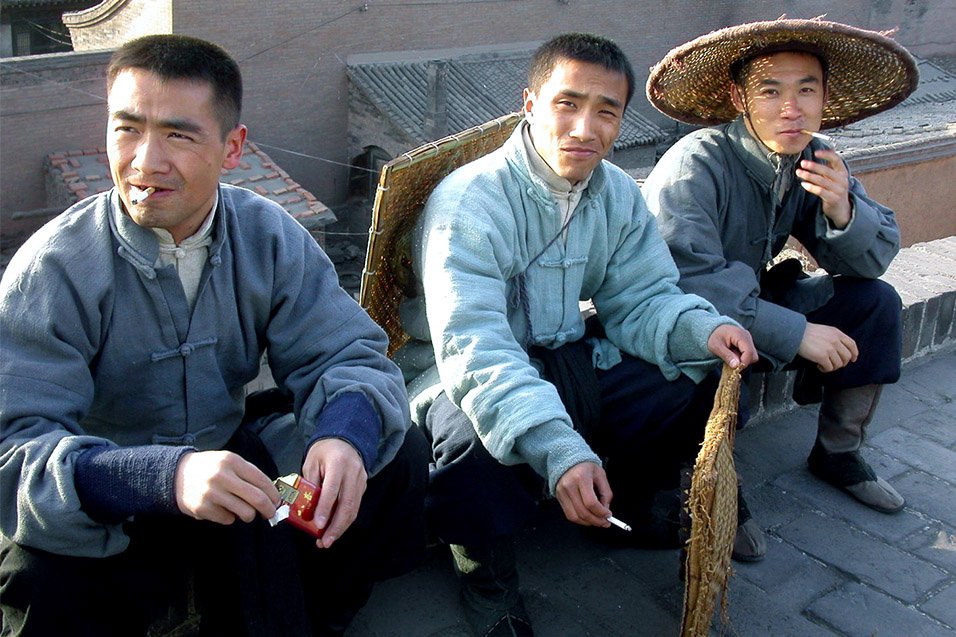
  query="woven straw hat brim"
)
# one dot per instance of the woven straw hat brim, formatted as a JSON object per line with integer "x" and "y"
{"x": 868, "y": 71}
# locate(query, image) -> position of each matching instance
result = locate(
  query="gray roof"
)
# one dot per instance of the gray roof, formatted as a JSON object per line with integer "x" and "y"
{"x": 923, "y": 125}
{"x": 481, "y": 87}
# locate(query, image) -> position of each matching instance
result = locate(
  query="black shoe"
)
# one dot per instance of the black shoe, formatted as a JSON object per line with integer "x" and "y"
{"x": 487, "y": 621}
{"x": 750, "y": 544}
{"x": 489, "y": 581}
{"x": 850, "y": 472}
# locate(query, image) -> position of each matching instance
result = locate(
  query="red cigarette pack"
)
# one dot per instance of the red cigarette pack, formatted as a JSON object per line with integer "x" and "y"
{"x": 301, "y": 496}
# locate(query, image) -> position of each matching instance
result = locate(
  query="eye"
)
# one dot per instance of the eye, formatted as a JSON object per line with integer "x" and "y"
{"x": 565, "y": 104}
{"x": 181, "y": 136}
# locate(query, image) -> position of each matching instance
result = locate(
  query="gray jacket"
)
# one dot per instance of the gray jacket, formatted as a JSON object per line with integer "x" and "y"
{"x": 711, "y": 193}
{"x": 100, "y": 348}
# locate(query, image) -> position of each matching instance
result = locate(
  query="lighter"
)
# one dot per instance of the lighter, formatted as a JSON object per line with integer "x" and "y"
{"x": 299, "y": 498}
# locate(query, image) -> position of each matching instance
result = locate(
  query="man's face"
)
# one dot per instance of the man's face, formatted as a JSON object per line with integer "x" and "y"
{"x": 165, "y": 135}
{"x": 576, "y": 116}
{"x": 784, "y": 94}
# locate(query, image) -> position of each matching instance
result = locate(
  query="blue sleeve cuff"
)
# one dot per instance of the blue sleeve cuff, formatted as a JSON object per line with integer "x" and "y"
{"x": 114, "y": 483}
{"x": 350, "y": 416}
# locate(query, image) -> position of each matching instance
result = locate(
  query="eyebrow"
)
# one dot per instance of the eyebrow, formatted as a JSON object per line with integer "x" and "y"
{"x": 807, "y": 79}
{"x": 184, "y": 125}
{"x": 604, "y": 98}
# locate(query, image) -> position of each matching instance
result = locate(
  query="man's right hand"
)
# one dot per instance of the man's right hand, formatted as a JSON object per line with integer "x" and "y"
{"x": 828, "y": 347}
{"x": 220, "y": 486}
{"x": 584, "y": 494}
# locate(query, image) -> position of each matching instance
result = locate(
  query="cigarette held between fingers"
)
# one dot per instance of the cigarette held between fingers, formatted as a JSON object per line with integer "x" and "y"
{"x": 613, "y": 520}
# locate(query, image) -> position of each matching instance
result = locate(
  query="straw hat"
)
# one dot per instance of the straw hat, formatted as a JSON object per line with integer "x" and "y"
{"x": 868, "y": 71}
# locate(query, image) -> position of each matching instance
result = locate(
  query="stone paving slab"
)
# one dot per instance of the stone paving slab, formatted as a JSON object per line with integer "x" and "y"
{"x": 857, "y": 610}
{"x": 930, "y": 495}
{"x": 942, "y": 605}
{"x": 918, "y": 451}
{"x": 823, "y": 498}
{"x": 869, "y": 559}
{"x": 936, "y": 544}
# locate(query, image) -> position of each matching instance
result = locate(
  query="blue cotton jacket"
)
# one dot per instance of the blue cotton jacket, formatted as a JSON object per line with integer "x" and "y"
{"x": 711, "y": 193}
{"x": 482, "y": 227}
{"x": 100, "y": 350}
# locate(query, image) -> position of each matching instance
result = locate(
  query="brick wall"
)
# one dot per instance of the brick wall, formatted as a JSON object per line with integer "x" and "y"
{"x": 48, "y": 103}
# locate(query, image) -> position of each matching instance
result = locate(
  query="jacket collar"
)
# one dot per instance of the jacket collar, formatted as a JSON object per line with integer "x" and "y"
{"x": 141, "y": 246}
{"x": 517, "y": 156}
{"x": 754, "y": 156}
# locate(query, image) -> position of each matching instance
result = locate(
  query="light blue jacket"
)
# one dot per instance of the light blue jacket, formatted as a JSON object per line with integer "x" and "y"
{"x": 481, "y": 228}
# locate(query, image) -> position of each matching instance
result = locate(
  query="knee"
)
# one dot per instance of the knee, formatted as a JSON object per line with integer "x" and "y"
{"x": 875, "y": 298}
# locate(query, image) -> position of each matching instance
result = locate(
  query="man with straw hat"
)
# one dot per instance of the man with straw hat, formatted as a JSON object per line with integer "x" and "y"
{"x": 512, "y": 388}
{"x": 728, "y": 197}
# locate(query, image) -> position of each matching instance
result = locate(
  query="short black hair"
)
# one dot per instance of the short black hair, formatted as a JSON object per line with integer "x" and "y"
{"x": 582, "y": 47}
{"x": 179, "y": 57}
{"x": 740, "y": 68}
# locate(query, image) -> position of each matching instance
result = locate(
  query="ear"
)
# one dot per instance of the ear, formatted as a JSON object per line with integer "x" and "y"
{"x": 737, "y": 97}
{"x": 235, "y": 140}
{"x": 528, "y": 99}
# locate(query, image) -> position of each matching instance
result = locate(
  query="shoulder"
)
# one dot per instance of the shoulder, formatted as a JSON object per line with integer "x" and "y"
{"x": 75, "y": 235}
{"x": 258, "y": 219}
{"x": 702, "y": 158}
{"x": 484, "y": 189}
{"x": 73, "y": 251}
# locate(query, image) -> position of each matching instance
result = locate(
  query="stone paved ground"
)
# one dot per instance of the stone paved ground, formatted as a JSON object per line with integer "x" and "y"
{"x": 834, "y": 567}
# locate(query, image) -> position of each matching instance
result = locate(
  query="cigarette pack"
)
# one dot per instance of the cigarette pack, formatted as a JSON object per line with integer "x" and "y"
{"x": 299, "y": 497}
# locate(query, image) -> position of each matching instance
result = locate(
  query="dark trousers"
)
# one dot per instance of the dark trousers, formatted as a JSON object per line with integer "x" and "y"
{"x": 648, "y": 427}
{"x": 870, "y": 312}
{"x": 251, "y": 579}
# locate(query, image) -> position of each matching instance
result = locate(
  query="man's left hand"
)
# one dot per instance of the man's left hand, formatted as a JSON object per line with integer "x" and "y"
{"x": 733, "y": 345}
{"x": 831, "y": 183}
{"x": 337, "y": 468}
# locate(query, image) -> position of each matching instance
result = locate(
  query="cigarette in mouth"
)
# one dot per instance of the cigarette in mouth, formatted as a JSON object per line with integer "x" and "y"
{"x": 138, "y": 196}
{"x": 811, "y": 133}
{"x": 621, "y": 525}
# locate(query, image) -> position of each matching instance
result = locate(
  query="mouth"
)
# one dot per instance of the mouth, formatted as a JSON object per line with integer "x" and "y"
{"x": 139, "y": 194}
{"x": 579, "y": 152}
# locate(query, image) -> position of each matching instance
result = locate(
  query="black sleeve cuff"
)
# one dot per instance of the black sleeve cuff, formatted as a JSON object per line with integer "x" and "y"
{"x": 350, "y": 416}
{"x": 114, "y": 483}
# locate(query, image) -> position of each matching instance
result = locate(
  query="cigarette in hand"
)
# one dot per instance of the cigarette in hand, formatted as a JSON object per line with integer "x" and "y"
{"x": 138, "y": 196}
{"x": 621, "y": 525}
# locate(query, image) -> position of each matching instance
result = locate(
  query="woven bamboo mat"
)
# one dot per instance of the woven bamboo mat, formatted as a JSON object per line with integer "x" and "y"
{"x": 713, "y": 510}
{"x": 403, "y": 189}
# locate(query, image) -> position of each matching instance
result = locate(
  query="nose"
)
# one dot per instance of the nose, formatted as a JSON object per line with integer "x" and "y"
{"x": 583, "y": 128}
{"x": 150, "y": 156}
{"x": 790, "y": 108}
